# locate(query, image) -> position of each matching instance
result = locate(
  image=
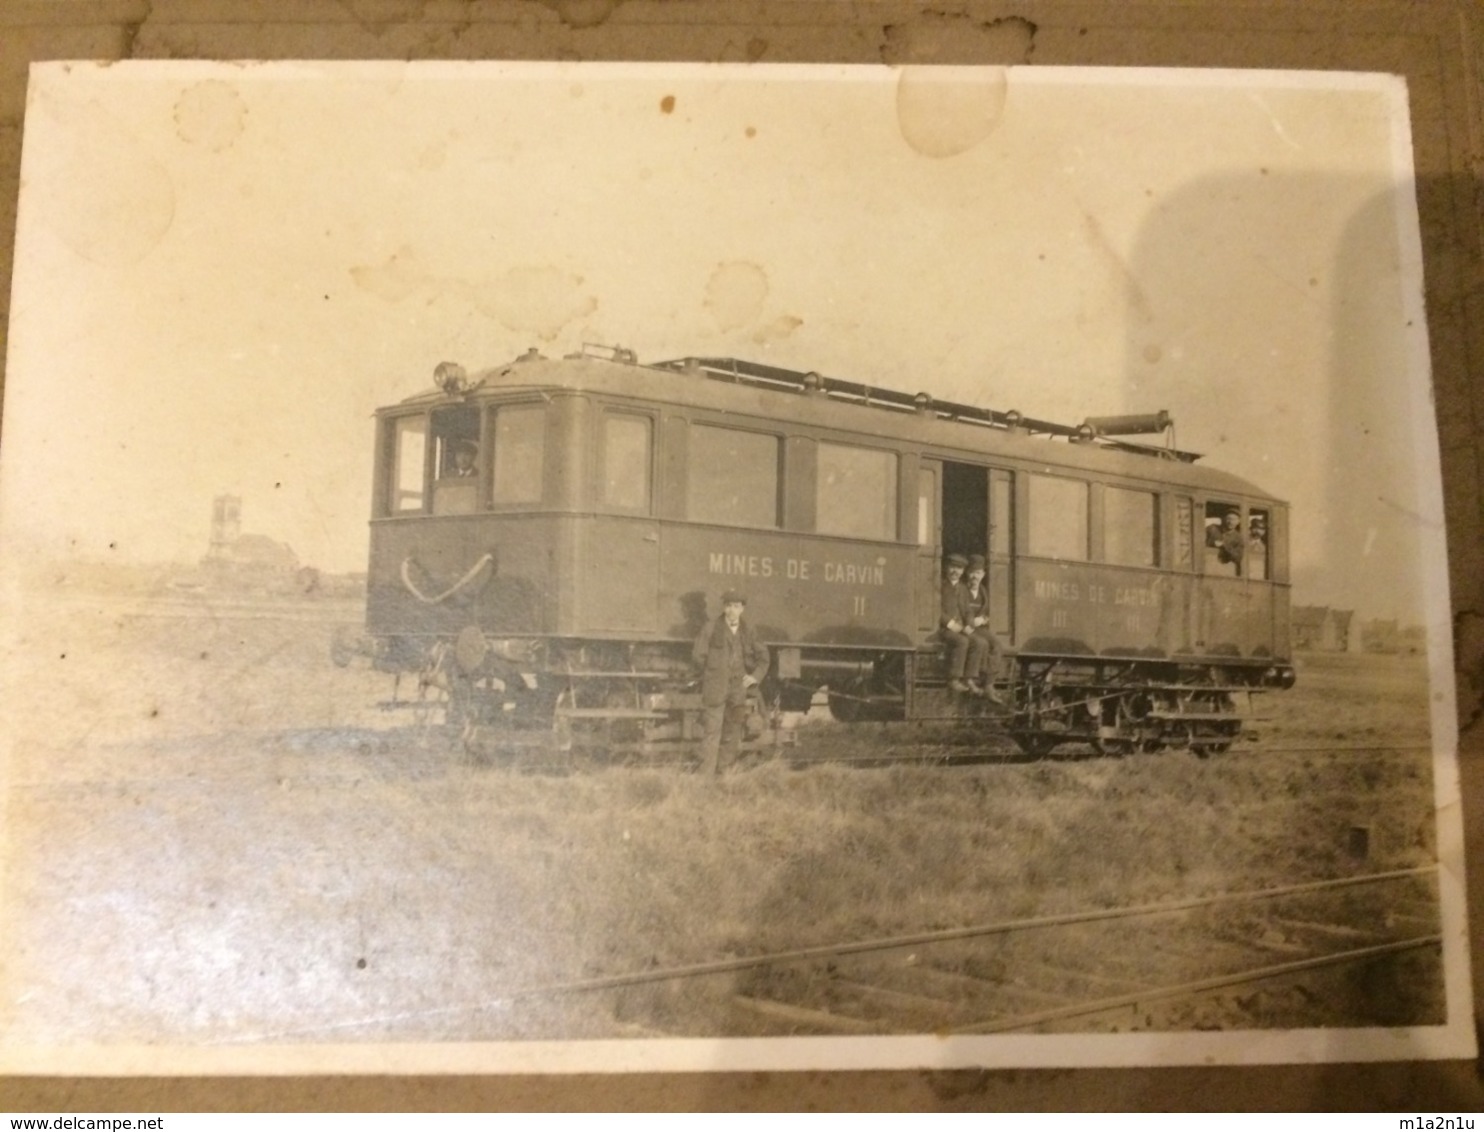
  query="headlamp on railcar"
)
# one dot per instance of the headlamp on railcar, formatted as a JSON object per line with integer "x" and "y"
{"x": 451, "y": 378}
{"x": 1282, "y": 676}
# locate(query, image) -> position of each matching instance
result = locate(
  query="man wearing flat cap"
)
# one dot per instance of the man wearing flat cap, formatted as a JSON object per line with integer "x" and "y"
{"x": 731, "y": 661}
{"x": 954, "y": 628}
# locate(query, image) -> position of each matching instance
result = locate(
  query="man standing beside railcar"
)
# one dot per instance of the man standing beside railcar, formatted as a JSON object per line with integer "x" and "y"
{"x": 731, "y": 662}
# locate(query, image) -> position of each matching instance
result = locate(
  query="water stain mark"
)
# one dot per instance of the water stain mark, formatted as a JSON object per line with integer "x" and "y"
{"x": 100, "y": 191}
{"x": 380, "y": 16}
{"x": 532, "y": 299}
{"x": 735, "y": 293}
{"x": 210, "y": 115}
{"x": 780, "y": 327}
{"x": 579, "y": 14}
{"x": 943, "y": 113}
{"x": 955, "y": 37}
{"x": 536, "y": 299}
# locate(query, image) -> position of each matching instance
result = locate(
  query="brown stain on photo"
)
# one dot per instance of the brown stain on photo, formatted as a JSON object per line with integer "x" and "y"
{"x": 580, "y": 14}
{"x": 210, "y": 115}
{"x": 780, "y": 327}
{"x": 534, "y": 299}
{"x": 537, "y": 299}
{"x": 957, "y": 37}
{"x": 103, "y": 194}
{"x": 667, "y": 104}
{"x": 400, "y": 277}
{"x": 735, "y": 294}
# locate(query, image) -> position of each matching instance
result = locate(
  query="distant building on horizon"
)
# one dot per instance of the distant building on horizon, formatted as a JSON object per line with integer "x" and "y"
{"x": 1320, "y": 628}
{"x": 1388, "y": 635}
{"x": 229, "y": 548}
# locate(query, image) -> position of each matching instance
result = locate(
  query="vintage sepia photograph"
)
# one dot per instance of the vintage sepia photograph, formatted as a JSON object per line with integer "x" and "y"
{"x": 595, "y": 567}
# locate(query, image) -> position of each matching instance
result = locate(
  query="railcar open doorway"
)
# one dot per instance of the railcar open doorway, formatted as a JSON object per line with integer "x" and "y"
{"x": 977, "y": 518}
{"x": 965, "y": 509}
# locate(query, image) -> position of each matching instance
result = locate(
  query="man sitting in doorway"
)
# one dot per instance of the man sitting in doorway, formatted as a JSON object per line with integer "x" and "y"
{"x": 964, "y": 650}
{"x": 982, "y": 641}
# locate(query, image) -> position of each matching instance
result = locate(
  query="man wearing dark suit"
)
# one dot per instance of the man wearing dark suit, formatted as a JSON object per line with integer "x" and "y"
{"x": 731, "y": 661}
{"x": 953, "y": 628}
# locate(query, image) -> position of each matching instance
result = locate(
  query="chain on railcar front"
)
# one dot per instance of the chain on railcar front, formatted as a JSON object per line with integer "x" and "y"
{"x": 550, "y": 537}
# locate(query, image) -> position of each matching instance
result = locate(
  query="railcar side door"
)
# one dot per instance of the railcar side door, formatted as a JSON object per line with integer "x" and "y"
{"x": 1002, "y": 553}
{"x": 926, "y": 589}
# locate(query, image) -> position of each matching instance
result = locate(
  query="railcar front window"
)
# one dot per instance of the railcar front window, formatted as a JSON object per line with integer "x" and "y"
{"x": 856, "y": 492}
{"x": 732, "y": 477}
{"x": 408, "y": 465}
{"x": 1058, "y": 517}
{"x": 626, "y": 461}
{"x": 520, "y": 451}
{"x": 1130, "y": 531}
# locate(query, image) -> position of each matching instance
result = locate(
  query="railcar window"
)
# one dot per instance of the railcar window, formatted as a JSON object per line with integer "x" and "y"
{"x": 627, "y": 442}
{"x": 1130, "y": 527}
{"x": 456, "y": 432}
{"x": 732, "y": 477}
{"x": 927, "y": 496}
{"x": 411, "y": 439}
{"x": 856, "y": 492}
{"x": 520, "y": 450}
{"x": 1001, "y": 534}
{"x": 1058, "y": 517}
{"x": 1226, "y": 541}
{"x": 1184, "y": 538}
{"x": 1255, "y": 564}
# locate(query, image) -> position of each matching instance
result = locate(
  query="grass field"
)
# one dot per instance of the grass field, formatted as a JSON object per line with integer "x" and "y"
{"x": 212, "y": 835}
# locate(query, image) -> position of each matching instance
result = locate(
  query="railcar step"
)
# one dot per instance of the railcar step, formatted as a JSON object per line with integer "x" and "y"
{"x": 1200, "y": 716}
{"x": 627, "y": 675}
{"x": 610, "y": 713}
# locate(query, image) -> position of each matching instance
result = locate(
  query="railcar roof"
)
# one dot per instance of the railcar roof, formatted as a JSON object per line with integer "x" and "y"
{"x": 725, "y": 386}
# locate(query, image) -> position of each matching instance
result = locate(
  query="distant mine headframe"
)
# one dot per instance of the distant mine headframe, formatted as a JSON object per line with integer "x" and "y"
{"x": 226, "y": 525}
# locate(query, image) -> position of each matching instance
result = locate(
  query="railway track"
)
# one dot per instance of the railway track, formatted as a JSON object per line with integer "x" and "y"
{"x": 1223, "y": 961}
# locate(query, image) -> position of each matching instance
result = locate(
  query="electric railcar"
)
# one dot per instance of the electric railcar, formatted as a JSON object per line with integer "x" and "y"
{"x": 549, "y": 537}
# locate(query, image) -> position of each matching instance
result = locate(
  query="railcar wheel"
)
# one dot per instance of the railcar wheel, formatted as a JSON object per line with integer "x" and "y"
{"x": 1036, "y": 747}
{"x": 845, "y": 705}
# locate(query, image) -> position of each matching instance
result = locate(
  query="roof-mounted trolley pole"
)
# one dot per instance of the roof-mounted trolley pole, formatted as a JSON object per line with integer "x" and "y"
{"x": 1137, "y": 424}
{"x": 1102, "y": 431}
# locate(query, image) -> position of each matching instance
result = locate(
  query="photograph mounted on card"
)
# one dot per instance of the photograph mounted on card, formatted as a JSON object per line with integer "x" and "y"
{"x": 603, "y": 567}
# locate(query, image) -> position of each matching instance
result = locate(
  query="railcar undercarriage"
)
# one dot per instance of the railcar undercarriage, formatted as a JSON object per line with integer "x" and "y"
{"x": 641, "y": 701}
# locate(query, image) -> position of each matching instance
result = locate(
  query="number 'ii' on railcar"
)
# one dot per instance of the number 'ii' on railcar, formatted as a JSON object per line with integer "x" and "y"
{"x": 550, "y": 536}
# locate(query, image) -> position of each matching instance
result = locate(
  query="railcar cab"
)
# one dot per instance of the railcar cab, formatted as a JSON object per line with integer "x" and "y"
{"x": 459, "y": 459}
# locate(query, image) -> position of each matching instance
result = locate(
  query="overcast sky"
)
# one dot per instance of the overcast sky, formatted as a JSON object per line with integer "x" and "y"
{"x": 222, "y": 270}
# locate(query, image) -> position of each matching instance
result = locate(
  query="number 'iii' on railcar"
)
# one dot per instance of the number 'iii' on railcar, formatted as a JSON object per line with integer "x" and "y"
{"x": 549, "y": 536}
